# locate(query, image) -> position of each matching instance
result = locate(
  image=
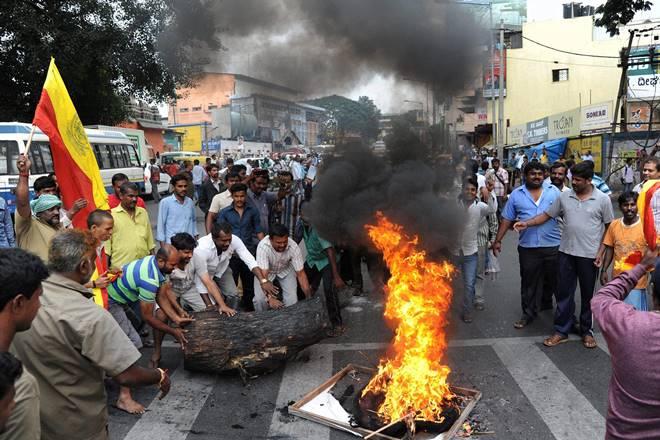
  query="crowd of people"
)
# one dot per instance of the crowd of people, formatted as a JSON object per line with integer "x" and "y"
{"x": 78, "y": 305}
{"x": 568, "y": 236}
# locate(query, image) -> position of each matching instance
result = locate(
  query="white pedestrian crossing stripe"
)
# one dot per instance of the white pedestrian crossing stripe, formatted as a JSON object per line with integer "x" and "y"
{"x": 562, "y": 407}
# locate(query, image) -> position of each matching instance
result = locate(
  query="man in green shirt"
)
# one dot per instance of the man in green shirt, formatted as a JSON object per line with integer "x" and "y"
{"x": 321, "y": 265}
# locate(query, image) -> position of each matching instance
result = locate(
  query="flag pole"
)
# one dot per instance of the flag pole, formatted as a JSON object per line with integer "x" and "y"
{"x": 29, "y": 141}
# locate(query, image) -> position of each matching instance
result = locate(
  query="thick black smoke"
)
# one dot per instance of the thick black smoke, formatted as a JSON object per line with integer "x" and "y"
{"x": 326, "y": 46}
{"x": 419, "y": 197}
{"x": 330, "y": 46}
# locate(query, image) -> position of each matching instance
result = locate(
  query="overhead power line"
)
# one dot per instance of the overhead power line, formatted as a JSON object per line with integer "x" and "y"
{"x": 570, "y": 52}
{"x": 613, "y": 66}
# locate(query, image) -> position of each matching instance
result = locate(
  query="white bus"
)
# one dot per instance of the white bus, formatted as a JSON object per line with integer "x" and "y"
{"x": 115, "y": 153}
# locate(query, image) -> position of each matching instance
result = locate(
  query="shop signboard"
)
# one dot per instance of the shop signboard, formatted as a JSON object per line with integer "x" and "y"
{"x": 515, "y": 134}
{"x": 639, "y": 115}
{"x": 596, "y": 116}
{"x": 565, "y": 124}
{"x": 499, "y": 70}
{"x": 536, "y": 131}
{"x": 643, "y": 77}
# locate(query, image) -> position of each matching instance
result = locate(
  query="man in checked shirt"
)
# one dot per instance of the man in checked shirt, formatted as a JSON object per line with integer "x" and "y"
{"x": 279, "y": 259}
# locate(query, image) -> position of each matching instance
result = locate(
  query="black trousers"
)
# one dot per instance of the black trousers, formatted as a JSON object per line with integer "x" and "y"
{"x": 571, "y": 270}
{"x": 331, "y": 300}
{"x": 240, "y": 270}
{"x": 536, "y": 267}
{"x": 351, "y": 267}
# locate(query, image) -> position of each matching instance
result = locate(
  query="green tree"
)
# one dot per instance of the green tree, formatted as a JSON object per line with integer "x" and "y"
{"x": 347, "y": 118}
{"x": 619, "y": 12}
{"x": 106, "y": 51}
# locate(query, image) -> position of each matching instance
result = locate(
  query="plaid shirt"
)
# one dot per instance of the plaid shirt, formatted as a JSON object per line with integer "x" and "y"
{"x": 279, "y": 264}
{"x": 500, "y": 190}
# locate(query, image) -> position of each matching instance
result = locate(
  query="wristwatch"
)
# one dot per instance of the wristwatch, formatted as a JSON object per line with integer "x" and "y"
{"x": 263, "y": 280}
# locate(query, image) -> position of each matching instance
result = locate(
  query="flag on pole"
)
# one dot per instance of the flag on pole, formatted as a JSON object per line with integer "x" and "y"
{"x": 77, "y": 171}
{"x": 645, "y": 209}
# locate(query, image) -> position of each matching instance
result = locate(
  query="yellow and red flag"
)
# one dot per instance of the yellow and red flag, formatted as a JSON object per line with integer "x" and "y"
{"x": 77, "y": 171}
{"x": 101, "y": 268}
{"x": 645, "y": 209}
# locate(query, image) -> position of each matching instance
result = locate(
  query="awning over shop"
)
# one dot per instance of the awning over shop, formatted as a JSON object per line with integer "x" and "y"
{"x": 555, "y": 149}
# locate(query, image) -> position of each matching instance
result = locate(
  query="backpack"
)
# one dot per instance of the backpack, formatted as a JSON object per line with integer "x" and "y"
{"x": 155, "y": 173}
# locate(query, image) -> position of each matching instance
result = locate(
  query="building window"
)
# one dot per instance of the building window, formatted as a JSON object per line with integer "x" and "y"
{"x": 197, "y": 109}
{"x": 183, "y": 110}
{"x": 559, "y": 75}
{"x": 212, "y": 106}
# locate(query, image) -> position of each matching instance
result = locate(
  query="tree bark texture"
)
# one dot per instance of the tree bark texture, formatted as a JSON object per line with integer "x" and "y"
{"x": 256, "y": 342}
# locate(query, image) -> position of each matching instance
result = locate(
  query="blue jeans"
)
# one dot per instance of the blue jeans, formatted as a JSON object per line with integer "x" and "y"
{"x": 468, "y": 265}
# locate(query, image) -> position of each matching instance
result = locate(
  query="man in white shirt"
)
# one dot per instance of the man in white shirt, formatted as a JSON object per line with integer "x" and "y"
{"x": 298, "y": 172}
{"x": 182, "y": 284}
{"x": 650, "y": 171}
{"x": 215, "y": 251}
{"x": 221, "y": 201}
{"x": 588, "y": 156}
{"x": 466, "y": 253}
{"x": 628, "y": 175}
{"x": 192, "y": 274}
{"x": 279, "y": 258}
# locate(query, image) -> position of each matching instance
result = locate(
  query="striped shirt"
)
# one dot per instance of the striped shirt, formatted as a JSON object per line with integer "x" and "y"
{"x": 140, "y": 281}
{"x": 487, "y": 230}
{"x": 289, "y": 211}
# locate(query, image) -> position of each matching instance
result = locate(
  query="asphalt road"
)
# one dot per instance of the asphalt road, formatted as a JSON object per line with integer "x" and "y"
{"x": 529, "y": 391}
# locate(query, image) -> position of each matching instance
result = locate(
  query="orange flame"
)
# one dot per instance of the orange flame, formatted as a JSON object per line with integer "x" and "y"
{"x": 418, "y": 299}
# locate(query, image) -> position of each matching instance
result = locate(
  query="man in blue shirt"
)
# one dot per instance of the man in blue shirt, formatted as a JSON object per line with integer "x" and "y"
{"x": 176, "y": 213}
{"x": 537, "y": 246}
{"x": 245, "y": 222}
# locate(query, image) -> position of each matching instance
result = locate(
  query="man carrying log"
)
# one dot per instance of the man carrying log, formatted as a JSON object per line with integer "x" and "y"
{"x": 143, "y": 282}
{"x": 216, "y": 250}
{"x": 279, "y": 258}
{"x": 182, "y": 288}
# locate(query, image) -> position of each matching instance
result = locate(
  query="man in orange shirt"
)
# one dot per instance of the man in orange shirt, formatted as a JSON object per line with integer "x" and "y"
{"x": 624, "y": 243}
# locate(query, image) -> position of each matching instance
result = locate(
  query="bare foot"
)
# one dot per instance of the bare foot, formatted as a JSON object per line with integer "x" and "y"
{"x": 154, "y": 361}
{"x": 130, "y": 406}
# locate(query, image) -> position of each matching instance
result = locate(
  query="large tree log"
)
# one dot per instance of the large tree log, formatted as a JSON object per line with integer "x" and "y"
{"x": 255, "y": 342}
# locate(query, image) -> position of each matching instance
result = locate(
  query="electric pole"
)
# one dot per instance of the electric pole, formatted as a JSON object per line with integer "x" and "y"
{"x": 500, "y": 123}
{"x": 492, "y": 74}
{"x": 625, "y": 53}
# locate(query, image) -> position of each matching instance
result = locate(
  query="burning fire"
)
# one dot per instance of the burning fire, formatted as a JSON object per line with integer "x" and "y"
{"x": 418, "y": 299}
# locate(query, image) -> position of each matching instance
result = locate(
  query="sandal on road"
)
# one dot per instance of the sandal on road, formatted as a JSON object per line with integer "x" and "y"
{"x": 521, "y": 323}
{"x": 589, "y": 342}
{"x": 555, "y": 339}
